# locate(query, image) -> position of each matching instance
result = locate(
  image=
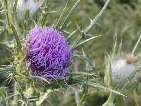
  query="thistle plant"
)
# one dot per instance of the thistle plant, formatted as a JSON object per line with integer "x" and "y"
{"x": 121, "y": 70}
{"x": 48, "y": 60}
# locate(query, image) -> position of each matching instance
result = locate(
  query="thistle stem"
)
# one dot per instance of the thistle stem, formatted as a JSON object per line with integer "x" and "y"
{"x": 15, "y": 92}
{"x": 69, "y": 13}
{"x": 137, "y": 43}
{"x": 13, "y": 25}
{"x": 110, "y": 100}
{"x": 16, "y": 37}
{"x": 43, "y": 98}
{"x": 93, "y": 21}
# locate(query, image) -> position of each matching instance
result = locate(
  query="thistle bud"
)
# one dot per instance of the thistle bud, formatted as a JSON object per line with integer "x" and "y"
{"x": 122, "y": 69}
{"x": 27, "y": 5}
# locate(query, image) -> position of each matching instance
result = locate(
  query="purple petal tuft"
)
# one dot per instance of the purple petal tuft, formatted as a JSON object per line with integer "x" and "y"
{"x": 48, "y": 53}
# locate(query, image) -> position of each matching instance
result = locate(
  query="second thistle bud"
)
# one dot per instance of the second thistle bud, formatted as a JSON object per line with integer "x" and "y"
{"x": 121, "y": 69}
{"x": 27, "y": 5}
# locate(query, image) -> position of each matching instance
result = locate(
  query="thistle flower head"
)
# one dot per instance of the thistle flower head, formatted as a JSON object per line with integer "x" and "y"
{"x": 31, "y": 5}
{"x": 48, "y": 53}
{"x": 122, "y": 69}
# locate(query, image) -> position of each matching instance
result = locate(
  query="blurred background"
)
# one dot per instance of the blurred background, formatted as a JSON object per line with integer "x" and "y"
{"x": 121, "y": 18}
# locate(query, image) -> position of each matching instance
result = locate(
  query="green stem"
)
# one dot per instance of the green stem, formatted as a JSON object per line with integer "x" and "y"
{"x": 15, "y": 92}
{"x": 13, "y": 25}
{"x": 16, "y": 37}
{"x": 6, "y": 7}
{"x": 93, "y": 21}
{"x": 69, "y": 13}
{"x": 137, "y": 43}
{"x": 110, "y": 100}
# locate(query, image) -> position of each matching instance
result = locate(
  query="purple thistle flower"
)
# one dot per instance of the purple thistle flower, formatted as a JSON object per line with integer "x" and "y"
{"x": 48, "y": 53}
